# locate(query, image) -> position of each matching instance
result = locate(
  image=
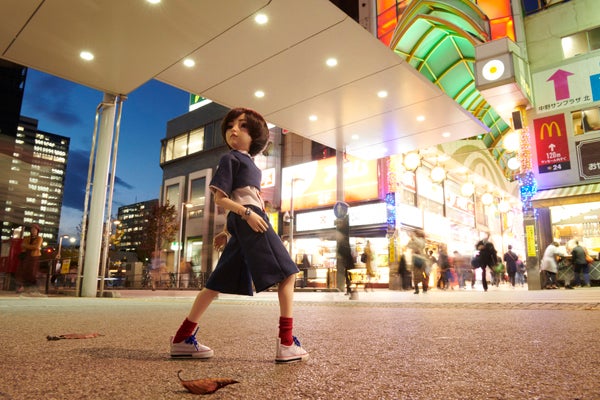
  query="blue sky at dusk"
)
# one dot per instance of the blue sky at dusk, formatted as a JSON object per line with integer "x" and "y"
{"x": 68, "y": 109}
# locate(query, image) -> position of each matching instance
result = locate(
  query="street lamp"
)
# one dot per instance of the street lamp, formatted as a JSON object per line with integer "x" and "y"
{"x": 180, "y": 242}
{"x": 58, "y": 255}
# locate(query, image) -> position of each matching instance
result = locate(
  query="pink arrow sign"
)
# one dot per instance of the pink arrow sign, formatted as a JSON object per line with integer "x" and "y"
{"x": 561, "y": 84}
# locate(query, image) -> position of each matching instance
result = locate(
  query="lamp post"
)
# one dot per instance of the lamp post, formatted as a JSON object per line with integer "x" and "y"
{"x": 58, "y": 255}
{"x": 105, "y": 259}
{"x": 53, "y": 265}
{"x": 180, "y": 242}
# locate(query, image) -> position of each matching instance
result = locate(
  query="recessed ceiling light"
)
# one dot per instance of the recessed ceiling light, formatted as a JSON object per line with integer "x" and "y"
{"x": 259, "y": 94}
{"x": 312, "y": 117}
{"x": 446, "y": 134}
{"x": 354, "y": 137}
{"x": 382, "y": 94}
{"x": 86, "y": 55}
{"x": 420, "y": 118}
{"x": 331, "y": 62}
{"x": 153, "y": 1}
{"x": 261, "y": 19}
{"x": 188, "y": 62}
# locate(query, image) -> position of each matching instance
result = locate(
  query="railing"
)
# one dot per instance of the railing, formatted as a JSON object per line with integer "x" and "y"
{"x": 565, "y": 271}
{"x": 169, "y": 280}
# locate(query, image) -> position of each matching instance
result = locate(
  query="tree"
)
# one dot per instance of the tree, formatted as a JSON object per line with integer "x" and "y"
{"x": 161, "y": 229}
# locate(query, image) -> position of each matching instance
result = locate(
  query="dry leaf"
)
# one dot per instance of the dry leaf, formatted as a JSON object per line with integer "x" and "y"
{"x": 205, "y": 385}
{"x": 74, "y": 336}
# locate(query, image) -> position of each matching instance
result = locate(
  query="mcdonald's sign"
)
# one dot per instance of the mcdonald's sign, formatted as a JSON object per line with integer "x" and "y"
{"x": 552, "y": 144}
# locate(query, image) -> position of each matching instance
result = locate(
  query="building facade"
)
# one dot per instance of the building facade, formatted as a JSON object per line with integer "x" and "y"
{"x": 34, "y": 190}
{"x": 133, "y": 218}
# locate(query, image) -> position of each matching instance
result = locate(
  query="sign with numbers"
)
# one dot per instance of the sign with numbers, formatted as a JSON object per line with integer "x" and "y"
{"x": 552, "y": 144}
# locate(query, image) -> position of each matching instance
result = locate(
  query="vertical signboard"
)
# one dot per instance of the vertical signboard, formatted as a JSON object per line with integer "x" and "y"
{"x": 588, "y": 153}
{"x": 551, "y": 144}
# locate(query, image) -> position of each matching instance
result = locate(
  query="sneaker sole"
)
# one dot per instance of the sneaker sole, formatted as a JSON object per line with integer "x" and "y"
{"x": 193, "y": 355}
{"x": 291, "y": 360}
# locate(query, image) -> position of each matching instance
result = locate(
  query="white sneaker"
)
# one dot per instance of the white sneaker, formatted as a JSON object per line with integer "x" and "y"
{"x": 290, "y": 354}
{"x": 190, "y": 348}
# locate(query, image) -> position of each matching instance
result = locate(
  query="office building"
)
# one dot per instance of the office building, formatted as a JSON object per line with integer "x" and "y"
{"x": 36, "y": 178}
{"x": 131, "y": 232}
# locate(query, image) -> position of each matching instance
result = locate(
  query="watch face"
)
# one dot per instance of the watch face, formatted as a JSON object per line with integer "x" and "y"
{"x": 492, "y": 70}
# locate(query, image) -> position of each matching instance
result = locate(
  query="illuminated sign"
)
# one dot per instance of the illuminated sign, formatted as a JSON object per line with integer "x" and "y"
{"x": 552, "y": 144}
{"x": 315, "y": 183}
{"x": 366, "y": 214}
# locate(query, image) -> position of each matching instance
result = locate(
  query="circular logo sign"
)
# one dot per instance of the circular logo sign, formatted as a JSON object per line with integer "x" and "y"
{"x": 340, "y": 209}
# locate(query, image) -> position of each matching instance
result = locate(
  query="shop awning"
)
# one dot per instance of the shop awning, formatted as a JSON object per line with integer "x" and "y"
{"x": 567, "y": 195}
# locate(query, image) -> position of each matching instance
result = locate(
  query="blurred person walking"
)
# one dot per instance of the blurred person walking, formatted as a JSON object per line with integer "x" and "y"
{"x": 27, "y": 272}
{"x": 580, "y": 266}
{"x": 510, "y": 258}
{"x": 416, "y": 245}
{"x": 371, "y": 272}
{"x": 549, "y": 267}
{"x": 486, "y": 256}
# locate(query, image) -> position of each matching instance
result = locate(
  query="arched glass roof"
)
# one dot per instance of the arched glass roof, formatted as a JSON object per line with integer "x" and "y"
{"x": 438, "y": 38}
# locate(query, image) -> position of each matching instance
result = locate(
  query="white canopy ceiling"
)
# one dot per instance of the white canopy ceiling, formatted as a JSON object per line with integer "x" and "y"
{"x": 135, "y": 41}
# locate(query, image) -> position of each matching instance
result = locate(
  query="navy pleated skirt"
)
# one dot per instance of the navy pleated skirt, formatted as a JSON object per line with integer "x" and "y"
{"x": 250, "y": 257}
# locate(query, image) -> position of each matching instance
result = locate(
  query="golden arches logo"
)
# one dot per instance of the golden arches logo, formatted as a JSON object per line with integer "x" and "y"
{"x": 549, "y": 129}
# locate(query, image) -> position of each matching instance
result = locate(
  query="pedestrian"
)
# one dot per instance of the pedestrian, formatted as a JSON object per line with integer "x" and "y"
{"x": 521, "y": 270}
{"x": 580, "y": 266}
{"x": 549, "y": 265}
{"x": 485, "y": 256}
{"x": 31, "y": 250}
{"x": 185, "y": 271}
{"x": 157, "y": 269}
{"x": 368, "y": 260}
{"x": 416, "y": 245}
{"x": 461, "y": 265}
{"x": 510, "y": 258}
{"x": 443, "y": 262}
{"x": 254, "y": 254}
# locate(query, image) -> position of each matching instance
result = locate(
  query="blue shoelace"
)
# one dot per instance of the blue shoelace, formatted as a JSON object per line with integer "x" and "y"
{"x": 296, "y": 341}
{"x": 192, "y": 339}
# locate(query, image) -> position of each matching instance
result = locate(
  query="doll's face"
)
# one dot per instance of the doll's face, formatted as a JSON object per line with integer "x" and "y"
{"x": 237, "y": 135}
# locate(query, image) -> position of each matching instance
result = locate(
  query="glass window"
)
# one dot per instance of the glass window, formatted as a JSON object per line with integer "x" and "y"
{"x": 594, "y": 38}
{"x": 181, "y": 143}
{"x": 196, "y": 142}
{"x": 198, "y": 192}
{"x": 574, "y": 45}
{"x": 172, "y": 194}
{"x": 168, "y": 151}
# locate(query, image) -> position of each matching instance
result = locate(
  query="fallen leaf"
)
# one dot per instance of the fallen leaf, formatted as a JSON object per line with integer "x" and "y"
{"x": 74, "y": 336}
{"x": 205, "y": 385}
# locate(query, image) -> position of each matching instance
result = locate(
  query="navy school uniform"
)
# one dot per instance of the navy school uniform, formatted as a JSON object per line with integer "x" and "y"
{"x": 249, "y": 256}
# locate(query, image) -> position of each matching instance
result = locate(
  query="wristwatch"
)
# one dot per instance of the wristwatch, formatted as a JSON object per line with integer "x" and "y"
{"x": 246, "y": 213}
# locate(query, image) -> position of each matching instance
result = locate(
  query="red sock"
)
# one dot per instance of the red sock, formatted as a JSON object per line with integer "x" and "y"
{"x": 185, "y": 331}
{"x": 285, "y": 330}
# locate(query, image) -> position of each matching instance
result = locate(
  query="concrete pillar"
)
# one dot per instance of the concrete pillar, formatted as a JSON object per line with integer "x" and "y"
{"x": 95, "y": 226}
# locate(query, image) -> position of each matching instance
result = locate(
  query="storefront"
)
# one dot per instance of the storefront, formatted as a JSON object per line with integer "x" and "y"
{"x": 315, "y": 236}
{"x": 572, "y": 214}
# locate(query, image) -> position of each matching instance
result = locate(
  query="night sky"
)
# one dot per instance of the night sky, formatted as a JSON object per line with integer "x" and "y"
{"x": 68, "y": 109}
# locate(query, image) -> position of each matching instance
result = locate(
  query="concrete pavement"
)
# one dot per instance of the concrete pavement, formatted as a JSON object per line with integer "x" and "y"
{"x": 501, "y": 344}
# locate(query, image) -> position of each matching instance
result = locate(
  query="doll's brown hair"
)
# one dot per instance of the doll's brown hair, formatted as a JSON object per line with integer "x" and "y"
{"x": 256, "y": 124}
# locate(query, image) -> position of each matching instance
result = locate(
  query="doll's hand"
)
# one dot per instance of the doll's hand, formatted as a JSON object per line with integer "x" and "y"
{"x": 256, "y": 222}
{"x": 220, "y": 240}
